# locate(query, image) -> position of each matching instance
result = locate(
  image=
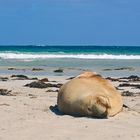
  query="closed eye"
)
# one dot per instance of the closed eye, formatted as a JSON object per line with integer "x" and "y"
{"x": 89, "y": 109}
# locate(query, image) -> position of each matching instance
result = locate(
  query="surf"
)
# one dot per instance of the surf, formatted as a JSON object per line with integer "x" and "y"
{"x": 32, "y": 56}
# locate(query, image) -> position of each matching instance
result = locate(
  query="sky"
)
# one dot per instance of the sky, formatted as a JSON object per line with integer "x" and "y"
{"x": 70, "y": 22}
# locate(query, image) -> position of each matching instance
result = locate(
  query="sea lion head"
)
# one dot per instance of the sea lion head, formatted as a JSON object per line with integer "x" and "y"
{"x": 98, "y": 107}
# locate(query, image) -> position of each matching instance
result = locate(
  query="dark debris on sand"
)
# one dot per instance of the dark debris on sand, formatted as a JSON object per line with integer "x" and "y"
{"x": 36, "y": 84}
{"x": 37, "y": 69}
{"x": 4, "y": 79}
{"x": 50, "y": 90}
{"x": 15, "y": 69}
{"x": 132, "y": 78}
{"x": 22, "y": 77}
{"x": 129, "y": 85}
{"x": 40, "y": 84}
{"x": 127, "y": 93}
{"x": 58, "y": 70}
{"x": 44, "y": 80}
{"x": 112, "y": 79}
{"x": 5, "y": 92}
{"x": 123, "y": 68}
{"x": 131, "y": 81}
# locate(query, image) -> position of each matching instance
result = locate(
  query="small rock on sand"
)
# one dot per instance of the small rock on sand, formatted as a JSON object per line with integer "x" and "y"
{"x": 58, "y": 70}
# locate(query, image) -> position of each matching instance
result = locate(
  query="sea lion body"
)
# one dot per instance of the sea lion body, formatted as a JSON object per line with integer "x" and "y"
{"x": 89, "y": 95}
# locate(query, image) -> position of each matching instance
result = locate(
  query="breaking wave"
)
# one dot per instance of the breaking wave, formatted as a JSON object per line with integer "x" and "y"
{"x": 30, "y": 56}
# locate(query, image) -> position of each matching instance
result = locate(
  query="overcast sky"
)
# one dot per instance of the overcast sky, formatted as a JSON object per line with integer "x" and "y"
{"x": 70, "y": 22}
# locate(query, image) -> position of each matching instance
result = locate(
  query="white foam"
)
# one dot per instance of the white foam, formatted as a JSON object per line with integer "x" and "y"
{"x": 28, "y": 56}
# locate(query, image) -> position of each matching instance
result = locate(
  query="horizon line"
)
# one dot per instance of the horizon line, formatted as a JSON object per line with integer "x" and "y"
{"x": 73, "y": 45}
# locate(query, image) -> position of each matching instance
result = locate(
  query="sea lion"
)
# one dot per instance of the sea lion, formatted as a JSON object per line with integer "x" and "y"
{"x": 89, "y": 94}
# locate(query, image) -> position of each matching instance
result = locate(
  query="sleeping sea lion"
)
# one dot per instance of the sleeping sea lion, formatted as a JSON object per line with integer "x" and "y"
{"x": 89, "y": 94}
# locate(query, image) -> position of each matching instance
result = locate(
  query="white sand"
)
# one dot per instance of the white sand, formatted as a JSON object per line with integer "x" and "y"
{"x": 24, "y": 117}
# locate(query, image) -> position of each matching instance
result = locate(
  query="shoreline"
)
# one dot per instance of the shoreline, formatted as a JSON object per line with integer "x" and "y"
{"x": 68, "y": 71}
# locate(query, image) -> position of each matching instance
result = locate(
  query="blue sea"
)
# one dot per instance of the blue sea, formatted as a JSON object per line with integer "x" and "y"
{"x": 94, "y": 58}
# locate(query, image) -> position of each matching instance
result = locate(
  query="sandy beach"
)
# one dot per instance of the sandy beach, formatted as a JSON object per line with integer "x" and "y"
{"x": 46, "y": 43}
{"x": 31, "y": 113}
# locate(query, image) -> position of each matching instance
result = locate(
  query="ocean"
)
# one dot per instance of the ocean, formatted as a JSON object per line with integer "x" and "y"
{"x": 95, "y": 58}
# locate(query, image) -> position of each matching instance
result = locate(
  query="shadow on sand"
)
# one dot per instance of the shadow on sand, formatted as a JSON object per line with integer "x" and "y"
{"x": 56, "y": 111}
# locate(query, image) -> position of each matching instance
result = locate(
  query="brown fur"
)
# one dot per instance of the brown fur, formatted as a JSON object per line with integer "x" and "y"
{"x": 89, "y": 95}
{"x": 87, "y": 74}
